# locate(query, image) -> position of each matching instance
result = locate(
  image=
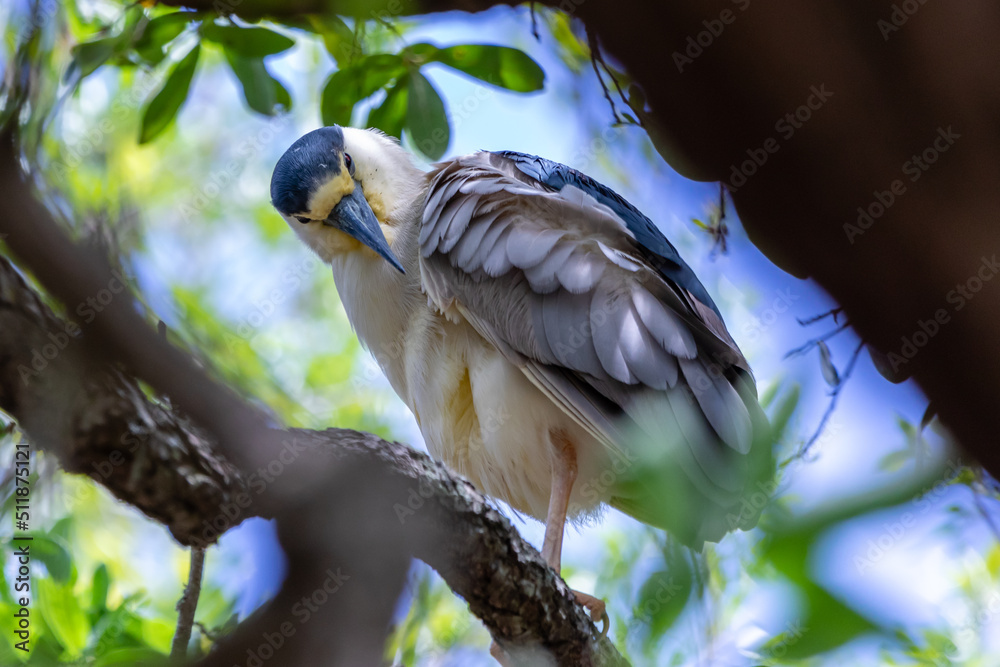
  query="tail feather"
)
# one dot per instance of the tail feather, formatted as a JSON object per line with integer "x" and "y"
{"x": 697, "y": 487}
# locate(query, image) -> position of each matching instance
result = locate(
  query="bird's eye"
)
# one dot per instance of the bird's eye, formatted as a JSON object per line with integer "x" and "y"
{"x": 303, "y": 219}
{"x": 350, "y": 163}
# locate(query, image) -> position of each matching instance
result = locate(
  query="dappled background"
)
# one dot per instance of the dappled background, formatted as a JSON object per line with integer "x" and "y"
{"x": 879, "y": 546}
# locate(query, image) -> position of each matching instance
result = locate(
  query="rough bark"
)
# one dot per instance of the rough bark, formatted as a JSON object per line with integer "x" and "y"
{"x": 99, "y": 422}
{"x": 390, "y": 499}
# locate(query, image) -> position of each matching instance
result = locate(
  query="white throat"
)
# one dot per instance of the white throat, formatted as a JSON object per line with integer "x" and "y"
{"x": 380, "y": 301}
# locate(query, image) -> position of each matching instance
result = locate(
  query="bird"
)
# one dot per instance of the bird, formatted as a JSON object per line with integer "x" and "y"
{"x": 553, "y": 346}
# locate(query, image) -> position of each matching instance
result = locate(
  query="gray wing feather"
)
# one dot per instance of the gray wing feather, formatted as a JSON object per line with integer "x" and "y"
{"x": 666, "y": 327}
{"x": 581, "y": 271}
{"x": 526, "y": 248}
{"x": 610, "y": 330}
{"x": 720, "y": 402}
{"x": 553, "y": 280}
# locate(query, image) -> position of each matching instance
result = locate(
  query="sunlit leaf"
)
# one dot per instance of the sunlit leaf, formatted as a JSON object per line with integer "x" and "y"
{"x": 126, "y": 657}
{"x": 158, "y": 633}
{"x": 893, "y": 461}
{"x": 263, "y": 93}
{"x": 249, "y": 42}
{"x": 348, "y": 86}
{"x": 161, "y": 111}
{"x": 426, "y": 120}
{"x": 63, "y": 615}
{"x": 574, "y": 51}
{"x": 99, "y": 589}
{"x": 325, "y": 369}
{"x": 498, "y": 65}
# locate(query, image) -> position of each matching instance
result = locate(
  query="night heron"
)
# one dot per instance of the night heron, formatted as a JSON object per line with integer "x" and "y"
{"x": 552, "y": 345}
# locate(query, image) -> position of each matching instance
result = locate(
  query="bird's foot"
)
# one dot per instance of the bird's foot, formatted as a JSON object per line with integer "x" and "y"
{"x": 596, "y": 608}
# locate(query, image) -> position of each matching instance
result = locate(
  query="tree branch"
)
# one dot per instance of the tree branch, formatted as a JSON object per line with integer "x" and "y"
{"x": 158, "y": 461}
{"x": 188, "y": 605}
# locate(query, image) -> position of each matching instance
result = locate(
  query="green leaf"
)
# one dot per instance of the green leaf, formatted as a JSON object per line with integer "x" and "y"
{"x": 249, "y": 42}
{"x": 55, "y": 555}
{"x": 58, "y": 606}
{"x": 829, "y": 624}
{"x": 663, "y": 597}
{"x": 348, "y": 86}
{"x": 499, "y": 65}
{"x": 390, "y": 116}
{"x": 164, "y": 106}
{"x": 426, "y": 120}
{"x": 88, "y": 56}
{"x": 783, "y": 412}
{"x": 893, "y": 461}
{"x": 159, "y": 32}
{"x": 126, "y": 657}
{"x": 338, "y": 38}
{"x": 327, "y": 369}
{"x": 157, "y": 633}
{"x": 99, "y": 589}
{"x": 826, "y": 363}
{"x": 264, "y": 94}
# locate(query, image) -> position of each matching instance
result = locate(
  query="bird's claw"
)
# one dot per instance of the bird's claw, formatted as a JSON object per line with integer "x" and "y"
{"x": 596, "y": 608}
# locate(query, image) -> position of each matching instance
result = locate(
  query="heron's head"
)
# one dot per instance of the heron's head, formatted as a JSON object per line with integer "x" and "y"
{"x": 339, "y": 189}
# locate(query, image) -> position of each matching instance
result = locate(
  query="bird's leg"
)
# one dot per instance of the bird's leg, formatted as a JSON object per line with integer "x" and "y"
{"x": 563, "y": 476}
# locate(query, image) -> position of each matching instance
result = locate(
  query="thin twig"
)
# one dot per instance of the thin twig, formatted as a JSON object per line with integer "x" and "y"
{"x": 816, "y": 318}
{"x": 188, "y": 605}
{"x": 595, "y": 51}
{"x": 595, "y": 57}
{"x": 381, "y": 20}
{"x": 808, "y": 345}
{"x": 611, "y": 75}
{"x": 834, "y": 395}
{"x": 534, "y": 21}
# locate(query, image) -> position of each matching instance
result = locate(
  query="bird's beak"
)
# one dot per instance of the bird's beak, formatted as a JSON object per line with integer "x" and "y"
{"x": 354, "y": 216}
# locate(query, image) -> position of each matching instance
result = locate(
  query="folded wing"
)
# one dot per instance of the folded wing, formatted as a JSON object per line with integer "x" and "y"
{"x": 582, "y": 292}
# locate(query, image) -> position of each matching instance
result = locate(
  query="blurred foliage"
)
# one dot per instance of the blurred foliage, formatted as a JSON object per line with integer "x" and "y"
{"x": 87, "y": 605}
{"x": 410, "y": 101}
{"x": 103, "y": 84}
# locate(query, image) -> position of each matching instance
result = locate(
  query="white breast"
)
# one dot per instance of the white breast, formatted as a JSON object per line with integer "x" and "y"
{"x": 482, "y": 417}
{"x": 477, "y": 412}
